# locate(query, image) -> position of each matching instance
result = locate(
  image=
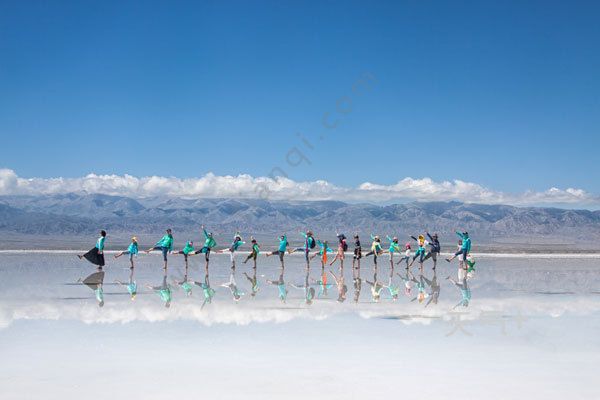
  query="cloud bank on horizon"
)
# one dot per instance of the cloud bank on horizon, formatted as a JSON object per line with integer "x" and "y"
{"x": 246, "y": 186}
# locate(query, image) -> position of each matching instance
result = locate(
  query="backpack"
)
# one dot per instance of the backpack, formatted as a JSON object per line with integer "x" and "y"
{"x": 311, "y": 242}
{"x": 345, "y": 246}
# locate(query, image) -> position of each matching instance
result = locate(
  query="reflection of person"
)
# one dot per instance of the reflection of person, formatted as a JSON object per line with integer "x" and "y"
{"x": 164, "y": 290}
{"x": 283, "y": 243}
{"x": 322, "y": 282}
{"x": 130, "y": 285}
{"x": 280, "y": 283}
{"x": 394, "y": 289}
{"x": 253, "y": 283}
{"x": 232, "y": 285}
{"x": 96, "y": 254}
{"x": 342, "y": 289}
{"x": 407, "y": 283}
{"x": 309, "y": 292}
{"x": 185, "y": 283}
{"x": 132, "y": 250}
{"x": 357, "y": 282}
{"x": 376, "y": 288}
{"x": 464, "y": 290}
{"x": 165, "y": 245}
{"x": 208, "y": 291}
{"x": 95, "y": 282}
{"x": 434, "y": 285}
{"x": 420, "y": 285}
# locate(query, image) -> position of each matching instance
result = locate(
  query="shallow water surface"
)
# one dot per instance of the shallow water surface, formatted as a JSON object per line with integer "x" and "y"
{"x": 530, "y": 329}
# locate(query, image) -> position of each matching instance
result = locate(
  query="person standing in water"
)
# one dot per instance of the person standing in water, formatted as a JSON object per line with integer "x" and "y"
{"x": 189, "y": 247}
{"x": 255, "y": 251}
{"x": 132, "y": 250}
{"x": 209, "y": 243}
{"x": 163, "y": 290}
{"x": 130, "y": 285}
{"x": 434, "y": 251}
{"x": 464, "y": 290}
{"x": 357, "y": 251}
{"x": 341, "y": 251}
{"x": 309, "y": 243}
{"x": 165, "y": 245}
{"x": 465, "y": 248}
{"x": 394, "y": 248}
{"x": 96, "y": 254}
{"x": 406, "y": 256}
{"x": 237, "y": 242}
{"x": 420, "y": 253}
{"x": 376, "y": 250}
{"x": 283, "y": 243}
{"x": 323, "y": 252}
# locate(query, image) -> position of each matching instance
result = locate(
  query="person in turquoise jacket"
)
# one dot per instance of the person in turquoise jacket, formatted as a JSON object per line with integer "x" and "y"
{"x": 394, "y": 248}
{"x": 322, "y": 253}
{"x": 132, "y": 250}
{"x": 189, "y": 247}
{"x": 209, "y": 243}
{"x": 96, "y": 254}
{"x": 283, "y": 243}
{"x": 235, "y": 245}
{"x": 465, "y": 248}
{"x": 165, "y": 245}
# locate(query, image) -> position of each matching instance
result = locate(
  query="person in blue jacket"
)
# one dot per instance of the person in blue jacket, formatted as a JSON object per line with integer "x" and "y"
{"x": 465, "y": 248}
{"x": 434, "y": 249}
{"x": 209, "y": 243}
{"x": 309, "y": 243}
{"x": 96, "y": 254}
{"x": 165, "y": 245}
{"x": 235, "y": 245}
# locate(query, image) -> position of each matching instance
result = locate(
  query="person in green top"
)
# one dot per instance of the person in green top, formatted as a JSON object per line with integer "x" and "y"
{"x": 237, "y": 242}
{"x": 394, "y": 248}
{"x": 254, "y": 253}
{"x": 209, "y": 243}
{"x": 164, "y": 290}
{"x": 165, "y": 245}
{"x": 283, "y": 243}
{"x": 130, "y": 285}
{"x": 189, "y": 247}
{"x": 376, "y": 251}
{"x": 132, "y": 250}
{"x": 465, "y": 248}
{"x": 96, "y": 254}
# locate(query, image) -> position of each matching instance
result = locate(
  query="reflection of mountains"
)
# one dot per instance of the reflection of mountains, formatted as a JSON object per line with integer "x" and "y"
{"x": 73, "y": 213}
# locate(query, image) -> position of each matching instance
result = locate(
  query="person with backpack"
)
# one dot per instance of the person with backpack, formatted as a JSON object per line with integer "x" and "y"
{"x": 342, "y": 248}
{"x": 309, "y": 243}
{"x": 283, "y": 243}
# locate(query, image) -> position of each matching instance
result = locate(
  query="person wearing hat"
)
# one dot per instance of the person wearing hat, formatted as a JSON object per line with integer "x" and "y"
{"x": 376, "y": 250}
{"x": 420, "y": 253}
{"x": 434, "y": 250}
{"x": 309, "y": 243}
{"x": 237, "y": 242}
{"x": 96, "y": 254}
{"x": 465, "y": 248}
{"x": 209, "y": 243}
{"x": 132, "y": 250}
{"x": 283, "y": 243}
{"x": 357, "y": 251}
{"x": 406, "y": 256}
{"x": 342, "y": 247}
{"x": 165, "y": 245}
{"x": 394, "y": 248}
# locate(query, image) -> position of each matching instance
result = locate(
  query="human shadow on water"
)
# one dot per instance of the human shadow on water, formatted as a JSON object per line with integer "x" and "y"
{"x": 130, "y": 285}
{"x": 209, "y": 292}
{"x": 95, "y": 282}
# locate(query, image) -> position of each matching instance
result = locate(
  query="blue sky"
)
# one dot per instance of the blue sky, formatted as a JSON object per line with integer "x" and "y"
{"x": 503, "y": 95}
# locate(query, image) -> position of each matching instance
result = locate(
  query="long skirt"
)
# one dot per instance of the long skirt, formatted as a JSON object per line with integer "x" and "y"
{"x": 94, "y": 257}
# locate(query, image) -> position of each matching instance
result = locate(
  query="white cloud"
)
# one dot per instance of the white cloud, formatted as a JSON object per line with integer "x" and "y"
{"x": 244, "y": 185}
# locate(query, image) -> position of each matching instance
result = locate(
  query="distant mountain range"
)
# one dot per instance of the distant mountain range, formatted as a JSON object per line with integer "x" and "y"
{"x": 80, "y": 214}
